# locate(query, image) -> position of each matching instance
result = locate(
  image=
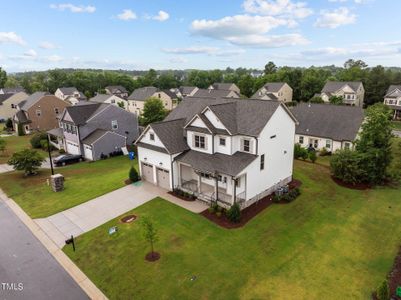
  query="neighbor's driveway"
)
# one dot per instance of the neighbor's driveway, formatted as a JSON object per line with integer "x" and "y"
{"x": 91, "y": 214}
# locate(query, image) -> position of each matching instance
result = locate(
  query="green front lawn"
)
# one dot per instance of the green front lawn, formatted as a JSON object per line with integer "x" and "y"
{"x": 84, "y": 181}
{"x": 14, "y": 144}
{"x": 331, "y": 243}
{"x": 397, "y": 125}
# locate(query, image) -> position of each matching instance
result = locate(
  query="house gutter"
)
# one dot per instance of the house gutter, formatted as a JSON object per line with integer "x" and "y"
{"x": 172, "y": 172}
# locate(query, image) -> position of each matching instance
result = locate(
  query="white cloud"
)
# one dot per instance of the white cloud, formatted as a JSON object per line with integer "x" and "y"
{"x": 203, "y": 50}
{"x": 127, "y": 15}
{"x": 31, "y": 53}
{"x": 248, "y": 30}
{"x": 297, "y": 10}
{"x": 74, "y": 8}
{"x": 47, "y": 45}
{"x": 161, "y": 16}
{"x": 191, "y": 50}
{"x": 54, "y": 58}
{"x": 11, "y": 37}
{"x": 335, "y": 18}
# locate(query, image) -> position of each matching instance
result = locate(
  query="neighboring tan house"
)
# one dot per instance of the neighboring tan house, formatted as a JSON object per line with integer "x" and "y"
{"x": 39, "y": 112}
{"x": 136, "y": 101}
{"x": 11, "y": 90}
{"x": 280, "y": 91}
{"x": 70, "y": 94}
{"x": 9, "y": 104}
{"x": 116, "y": 90}
{"x": 327, "y": 125}
{"x": 95, "y": 130}
{"x": 393, "y": 100}
{"x": 224, "y": 150}
{"x": 110, "y": 99}
{"x": 216, "y": 93}
{"x": 352, "y": 92}
{"x": 225, "y": 87}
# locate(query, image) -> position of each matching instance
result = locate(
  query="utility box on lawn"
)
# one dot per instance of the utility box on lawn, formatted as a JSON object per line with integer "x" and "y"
{"x": 57, "y": 182}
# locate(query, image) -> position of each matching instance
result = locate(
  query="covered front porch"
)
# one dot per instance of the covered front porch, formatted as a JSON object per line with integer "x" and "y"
{"x": 56, "y": 138}
{"x": 212, "y": 187}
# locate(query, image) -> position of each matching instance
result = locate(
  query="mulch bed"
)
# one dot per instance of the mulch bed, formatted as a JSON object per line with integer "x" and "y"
{"x": 248, "y": 213}
{"x": 394, "y": 279}
{"x": 128, "y": 181}
{"x": 128, "y": 219}
{"x": 358, "y": 186}
{"x": 181, "y": 197}
{"x": 152, "y": 256}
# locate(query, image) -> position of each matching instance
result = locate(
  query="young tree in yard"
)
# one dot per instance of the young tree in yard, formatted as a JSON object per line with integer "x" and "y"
{"x": 316, "y": 99}
{"x": 3, "y": 144}
{"x": 374, "y": 143}
{"x": 337, "y": 100}
{"x": 153, "y": 111}
{"x": 133, "y": 175}
{"x": 346, "y": 166}
{"x": 27, "y": 160}
{"x": 9, "y": 124}
{"x": 149, "y": 233}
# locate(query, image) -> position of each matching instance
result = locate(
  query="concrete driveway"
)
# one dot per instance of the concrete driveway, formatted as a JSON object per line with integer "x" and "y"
{"x": 397, "y": 133}
{"x": 89, "y": 215}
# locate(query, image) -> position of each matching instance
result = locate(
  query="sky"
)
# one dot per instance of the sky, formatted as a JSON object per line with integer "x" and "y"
{"x": 202, "y": 34}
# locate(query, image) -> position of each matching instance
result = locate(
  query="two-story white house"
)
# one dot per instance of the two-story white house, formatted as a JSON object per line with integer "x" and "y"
{"x": 136, "y": 101}
{"x": 224, "y": 150}
{"x": 280, "y": 91}
{"x": 110, "y": 99}
{"x": 393, "y": 100}
{"x": 70, "y": 94}
{"x": 352, "y": 92}
{"x": 327, "y": 126}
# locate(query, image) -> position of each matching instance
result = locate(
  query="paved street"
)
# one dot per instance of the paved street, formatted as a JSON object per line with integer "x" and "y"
{"x": 27, "y": 267}
{"x": 91, "y": 214}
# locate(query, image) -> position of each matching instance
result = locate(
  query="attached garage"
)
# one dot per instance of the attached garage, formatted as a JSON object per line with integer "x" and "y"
{"x": 147, "y": 172}
{"x": 163, "y": 178}
{"x": 88, "y": 152}
{"x": 72, "y": 148}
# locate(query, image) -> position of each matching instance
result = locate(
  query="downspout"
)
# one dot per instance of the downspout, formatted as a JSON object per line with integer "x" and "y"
{"x": 257, "y": 146}
{"x": 217, "y": 188}
{"x": 172, "y": 172}
{"x": 235, "y": 190}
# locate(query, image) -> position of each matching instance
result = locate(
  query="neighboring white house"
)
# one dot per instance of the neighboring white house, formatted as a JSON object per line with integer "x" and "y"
{"x": 70, "y": 94}
{"x": 110, "y": 99}
{"x": 221, "y": 149}
{"x": 393, "y": 100}
{"x": 327, "y": 126}
{"x": 136, "y": 101}
{"x": 352, "y": 92}
{"x": 208, "y": 93}
{"x": 225, "y": 87}
{"x": 116, "y": 90}
{"x": 280, "y": 91}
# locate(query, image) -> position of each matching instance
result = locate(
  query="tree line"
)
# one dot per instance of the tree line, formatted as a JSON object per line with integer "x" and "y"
{"x": 306, "y": 82}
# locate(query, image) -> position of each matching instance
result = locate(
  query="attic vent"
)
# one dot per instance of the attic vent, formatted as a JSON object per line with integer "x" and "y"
{"x": 273, "y": 136}
{"x": 307, "y": 130}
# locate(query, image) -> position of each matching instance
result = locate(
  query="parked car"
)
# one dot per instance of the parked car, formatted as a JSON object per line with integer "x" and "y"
{"x": 65, "y": 159}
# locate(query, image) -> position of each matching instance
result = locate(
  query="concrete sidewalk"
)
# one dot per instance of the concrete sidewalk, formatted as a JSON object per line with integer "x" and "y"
{"x": 89, "y": 215}
{"x": 4, "y": 168}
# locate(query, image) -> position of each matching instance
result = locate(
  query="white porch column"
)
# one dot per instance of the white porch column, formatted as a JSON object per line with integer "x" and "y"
{"x": 199, "y": 183}
{"x": 233, "y": 190}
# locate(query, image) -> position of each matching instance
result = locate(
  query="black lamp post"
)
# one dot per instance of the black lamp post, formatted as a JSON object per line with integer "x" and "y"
{"x": 50, "y": 155}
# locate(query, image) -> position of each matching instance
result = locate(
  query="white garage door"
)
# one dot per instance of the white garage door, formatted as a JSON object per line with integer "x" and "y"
{"x": 88, "y": 152}
{"x": 147, "y": 172}
{"x": 163, "y": 178}
{"x": 73, "y": 148}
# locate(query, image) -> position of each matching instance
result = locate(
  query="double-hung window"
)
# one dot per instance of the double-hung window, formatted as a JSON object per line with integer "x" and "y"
{"x": 246, "y": 145}
{"x": 200, "y": 142}
{"x": 262, "y": 162}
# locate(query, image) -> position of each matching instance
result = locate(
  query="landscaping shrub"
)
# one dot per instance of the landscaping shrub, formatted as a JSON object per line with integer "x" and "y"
{"x": 276, "y": 198}
{"x": 383, "y": 291}
{"x": 44, "y": 144}
{"x": 218, "y": 214}
{"x": 297, "y": 151}
{"x": 312, "y": 156}
{"x": 234, "y": 213}
{"x": 214, "y": 207}
{"x": 133, "y": 175}
{"x": 347, "y": 166}
{"x": 304, "y": 154}
{"x": 9, "y": 124}
{"x": 36, "y": 140}
{"x": 61, "y": 151}
{"x": 324, "y": 152}
{"x": 20, "y": 130}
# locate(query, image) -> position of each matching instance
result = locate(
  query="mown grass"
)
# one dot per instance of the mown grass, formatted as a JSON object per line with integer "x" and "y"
{"x": 331, "y": 243}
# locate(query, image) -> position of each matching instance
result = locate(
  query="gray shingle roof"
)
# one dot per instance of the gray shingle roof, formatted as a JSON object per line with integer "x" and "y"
{"x": 4, "y": 97}
{"x": 274, "y": 87}
{"x": 217, "y": 163}
{"x": 94, "y": 136}
{"x": 214, "y": 93}
{"x": 240, "y": 116}
{"x": 101, "y": 98}
{"x": 68, "y": 90}
{"x": 114, "y": 88}
{"x": 171, "y": 134}
{"x": 333, "y": 86}
{"x": 392, "y": 88}
{"x": 222, "y": 86}
{"x": 170, "y": 94}
{"x": 337, "y": 122}
{"x": 81, "y": 113}
{"x": 32, "y": 99}
{"x": 143, "y": 94}
{"x": 12, "y": 90}
{"x": 187, "y": 90}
